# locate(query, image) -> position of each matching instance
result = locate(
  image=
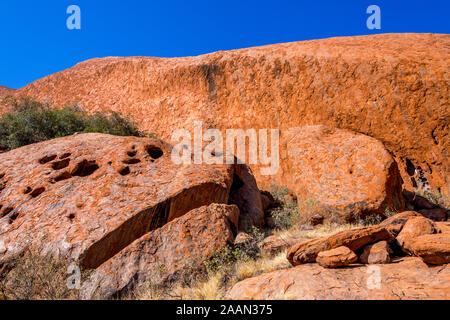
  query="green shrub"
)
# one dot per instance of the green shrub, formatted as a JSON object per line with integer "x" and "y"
{"x": 224, "y": 258}
{"x": 227, "y": 257}
{"x": 32, "y": 122}
{"x": 287, "y": 213}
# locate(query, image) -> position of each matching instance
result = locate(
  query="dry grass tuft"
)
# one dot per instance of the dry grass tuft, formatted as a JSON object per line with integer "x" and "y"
{"x": 32, "y": 277}
{"x": 324, "y": 230}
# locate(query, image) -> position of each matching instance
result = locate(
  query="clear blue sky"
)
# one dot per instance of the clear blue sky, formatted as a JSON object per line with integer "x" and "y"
{"x": 35, "y": 41}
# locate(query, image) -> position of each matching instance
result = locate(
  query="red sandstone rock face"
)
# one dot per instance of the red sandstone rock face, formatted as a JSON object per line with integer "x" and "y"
{"x": 413, "y": 228}
{"x": 340, "y": 173}
{"x": 88, "y": 196}
{"x": 164, "y": 254}
{"x": 392, "y": 87}
{"x": 409, "y": 278}
{"x": 4, "y": 91}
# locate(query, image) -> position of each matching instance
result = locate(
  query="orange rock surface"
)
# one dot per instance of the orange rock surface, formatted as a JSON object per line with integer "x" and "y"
{"x": 432, "y": 248}
{"x": 407, "y": 279}
{"x": 341, "y": 174}
{"x": 4, "y": 91}
{"x": 88, "y": 196}
{"x": 413, "y": 228}
{"x": 376, "y": 253}
{"x": 393, "y": 87}
{"x": 163, "y": 254}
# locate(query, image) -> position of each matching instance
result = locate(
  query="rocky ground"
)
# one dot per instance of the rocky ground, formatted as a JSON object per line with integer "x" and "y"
{"x": 360, "y": 210}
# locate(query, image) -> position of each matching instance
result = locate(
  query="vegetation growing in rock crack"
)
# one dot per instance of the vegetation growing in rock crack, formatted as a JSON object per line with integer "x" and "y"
{"x": 31, "y": 121}
{"x": 286, "y": 214}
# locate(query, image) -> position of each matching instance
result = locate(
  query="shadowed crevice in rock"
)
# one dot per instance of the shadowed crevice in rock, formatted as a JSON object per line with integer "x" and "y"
{"x": 95, "y": 206}
{"x": 151, "y": 219}
{"x": 245, "y": 194}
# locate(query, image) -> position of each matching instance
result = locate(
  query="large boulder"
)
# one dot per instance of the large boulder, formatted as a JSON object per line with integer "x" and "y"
{"x": 88, "y": 196}
{"x": 393, "y": 87}
{"x": 432, "y": 248}
{"x": 339, "y": 173}
{"x": 407, "y": 279}
{"x": 336, "y": 258}
{"x": 376, "y": 253}
{"x": 164, "y": 254}
{"x": 354, "y": 239}
{"x": 413, "y": 228}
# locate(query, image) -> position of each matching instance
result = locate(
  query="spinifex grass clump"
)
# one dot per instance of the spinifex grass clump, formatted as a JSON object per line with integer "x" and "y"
{"x": 31, "y": 121}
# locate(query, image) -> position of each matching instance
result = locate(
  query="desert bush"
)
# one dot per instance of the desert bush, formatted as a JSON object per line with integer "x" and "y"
{"x": 224, "y": 258}
{"x": 32, "y": 277}
{"x": 372, "y": 220}
{"x": 31, "y": 121}
{"x": 286, "y": 214}
{"x": 229, "y": 255}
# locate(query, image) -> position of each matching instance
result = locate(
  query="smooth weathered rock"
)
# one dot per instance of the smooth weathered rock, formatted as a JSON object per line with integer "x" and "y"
{"x": 432, "y": 248}
{"x": 164, "y": 254}
{"x": 275, "y": 244}
{"x": 393, "y": 87}
{"x": 376, "y": 253}
{"x": 336, "y": 258}
{"x": 413, "y": 228}
{"x": 436, "y": 214}
{"x": 399, "y": 218}
{"x": 407, "y": 279}
{"x": 354, "y": 239}
{"x": 88, "y": 196}
{"x": 339, "y": 173}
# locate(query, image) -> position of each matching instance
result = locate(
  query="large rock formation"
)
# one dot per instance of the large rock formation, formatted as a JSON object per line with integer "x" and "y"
{"x": 393, "y": 87}
{"x": 88, "y": 196}
{"x": 339, "y": 173}
{"x": 164, "y": 254}
{"x": 407, "y": 279}
{"x": 432, "y": 248}
{"x": 413, "y": 228}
